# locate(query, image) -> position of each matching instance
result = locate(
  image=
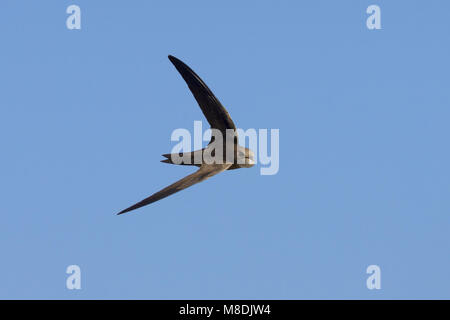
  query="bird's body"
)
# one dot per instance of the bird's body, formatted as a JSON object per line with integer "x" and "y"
{"x": 243, "y": 157}
{"x": 222, "y": 153}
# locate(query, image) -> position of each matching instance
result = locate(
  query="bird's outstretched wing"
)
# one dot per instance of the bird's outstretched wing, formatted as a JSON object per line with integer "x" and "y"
{"x": 213, "y": 110}
{"x": 205, "y": 172}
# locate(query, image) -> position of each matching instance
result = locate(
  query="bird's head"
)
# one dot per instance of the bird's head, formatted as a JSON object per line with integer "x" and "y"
{"x": 246, "y": 157}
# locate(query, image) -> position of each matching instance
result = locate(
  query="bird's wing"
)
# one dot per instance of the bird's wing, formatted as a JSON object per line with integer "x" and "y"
{"x": 205, "y": 172}
{"x": 213, "y": 110}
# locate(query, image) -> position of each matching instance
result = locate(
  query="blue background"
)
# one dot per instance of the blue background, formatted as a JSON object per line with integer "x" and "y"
{"x": 364, "y": 158}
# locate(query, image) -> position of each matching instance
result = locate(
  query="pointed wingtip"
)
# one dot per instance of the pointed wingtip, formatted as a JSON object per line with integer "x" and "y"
{"x": 177, "y": 62}
{"x": 124, "y": 211}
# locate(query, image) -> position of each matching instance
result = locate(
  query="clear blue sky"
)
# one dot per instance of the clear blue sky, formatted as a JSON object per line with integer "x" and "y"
{"x": 364, "y": 150}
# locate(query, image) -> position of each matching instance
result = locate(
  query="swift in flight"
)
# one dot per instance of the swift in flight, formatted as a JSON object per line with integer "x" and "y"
{"x": 215, "y": 158}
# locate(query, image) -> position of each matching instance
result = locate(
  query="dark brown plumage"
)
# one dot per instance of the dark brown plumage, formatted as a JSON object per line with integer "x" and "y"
{"x": 218, "y": 118}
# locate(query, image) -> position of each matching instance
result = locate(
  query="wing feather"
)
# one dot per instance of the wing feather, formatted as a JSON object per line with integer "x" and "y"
{"x": 205, "y": 172}
{"x": 214, "y": 111}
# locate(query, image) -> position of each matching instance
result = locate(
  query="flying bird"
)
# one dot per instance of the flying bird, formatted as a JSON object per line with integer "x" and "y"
{"x": 221, "y": 122}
